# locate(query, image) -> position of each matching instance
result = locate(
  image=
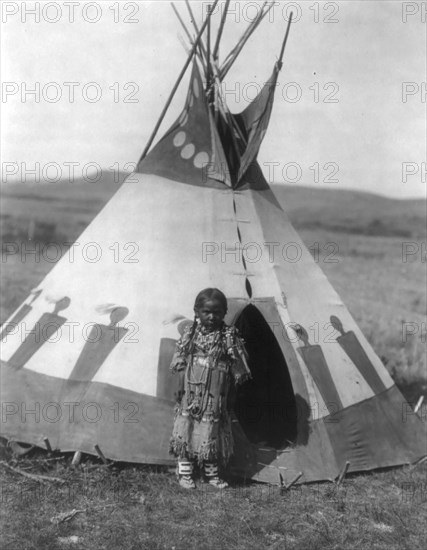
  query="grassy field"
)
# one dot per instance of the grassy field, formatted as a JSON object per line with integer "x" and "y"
{"x": 122, "y": 507}
{"x": 126, "y": 508}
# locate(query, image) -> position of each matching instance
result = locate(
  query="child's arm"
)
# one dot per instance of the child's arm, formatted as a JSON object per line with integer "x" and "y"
{"x": 236, "y": 348}
{"x": 178, "y": 362}
{"x": 179, "y": 359}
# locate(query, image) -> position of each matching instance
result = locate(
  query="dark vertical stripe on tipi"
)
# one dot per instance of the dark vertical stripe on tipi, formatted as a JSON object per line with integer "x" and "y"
{"x": 45, "y": 328}
{"x": 351, "y": 345}
{"x": 316, "y": 363}
{"x": 100, "y": 343}
{"x": 17, "y": 318}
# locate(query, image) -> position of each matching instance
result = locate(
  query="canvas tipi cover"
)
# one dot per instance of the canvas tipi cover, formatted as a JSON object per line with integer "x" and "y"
{"x": 85, "y": 360}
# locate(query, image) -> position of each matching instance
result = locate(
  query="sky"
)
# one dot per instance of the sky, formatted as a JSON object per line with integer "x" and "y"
{"x": 350, "y": 105}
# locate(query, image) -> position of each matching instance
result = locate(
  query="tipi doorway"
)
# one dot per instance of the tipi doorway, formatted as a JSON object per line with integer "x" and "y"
{"x": 265, "y": 406}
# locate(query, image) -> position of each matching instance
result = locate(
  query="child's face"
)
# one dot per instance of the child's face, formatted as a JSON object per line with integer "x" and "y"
{"x": 211, "y": 314}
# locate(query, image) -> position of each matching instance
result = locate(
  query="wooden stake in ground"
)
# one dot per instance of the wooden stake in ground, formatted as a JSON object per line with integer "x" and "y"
{"x": 291, "y": 483}
{"x": 419, "y": 403}
{"x": 76, "y": 458}
{"x": 343, "y": 473}
{"x": 100, "y": 454}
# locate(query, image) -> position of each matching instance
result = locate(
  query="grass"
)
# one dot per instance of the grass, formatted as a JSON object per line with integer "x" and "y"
{"x": 129, "y": 508}
{"x": 126, "y": 507}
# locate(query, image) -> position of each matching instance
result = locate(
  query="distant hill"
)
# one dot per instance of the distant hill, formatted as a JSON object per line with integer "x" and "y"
{"x": 61, "y": 211}
{"x": 56, "y": 212}
{"x": 353, "y": 211}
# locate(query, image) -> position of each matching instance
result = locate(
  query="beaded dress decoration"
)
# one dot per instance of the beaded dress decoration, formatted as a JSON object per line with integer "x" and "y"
{"x": 208, "y": 364}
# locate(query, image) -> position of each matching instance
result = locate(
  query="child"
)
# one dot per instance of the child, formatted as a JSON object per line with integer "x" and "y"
{"x": 211, "y": 356}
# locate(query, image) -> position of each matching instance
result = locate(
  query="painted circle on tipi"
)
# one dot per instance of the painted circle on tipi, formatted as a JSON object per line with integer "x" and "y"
{"x": 179, "y": 139}
{"x": 196, "y": 88}
{"x": 188, "y": 151}
{"x": 201, "y": 159}
{"x": 183, "y": 119}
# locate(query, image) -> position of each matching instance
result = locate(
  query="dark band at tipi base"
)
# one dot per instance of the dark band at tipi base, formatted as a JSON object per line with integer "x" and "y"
{"x": 314, "y": 407}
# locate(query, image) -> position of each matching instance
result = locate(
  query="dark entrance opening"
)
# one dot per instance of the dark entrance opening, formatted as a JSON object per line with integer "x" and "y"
{"x": 265, "y": 406}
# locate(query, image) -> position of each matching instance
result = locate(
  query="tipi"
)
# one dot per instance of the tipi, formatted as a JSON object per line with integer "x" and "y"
{"x": 85, "y": 359}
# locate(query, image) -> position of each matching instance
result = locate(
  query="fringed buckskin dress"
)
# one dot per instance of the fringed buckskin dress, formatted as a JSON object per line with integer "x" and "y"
{"x": 209, "y": 362}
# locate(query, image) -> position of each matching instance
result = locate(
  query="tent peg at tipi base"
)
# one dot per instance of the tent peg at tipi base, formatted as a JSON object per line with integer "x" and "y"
{"x": 76, "y": 458}
{"x": 419, "y": 462}
{"x": 100, "y": 454}
{"x": 419, "y": 403}
{"x": 291, "y": 483}
{"x": 343, "y": 473}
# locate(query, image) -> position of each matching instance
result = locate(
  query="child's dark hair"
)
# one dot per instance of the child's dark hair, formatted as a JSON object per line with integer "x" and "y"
{"x": 203, "y": 296}
{"x": 210, "y": 294}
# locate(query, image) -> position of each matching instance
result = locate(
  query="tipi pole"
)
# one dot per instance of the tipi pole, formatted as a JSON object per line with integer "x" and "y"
{"x": 188, "y": 35}
{"x": 221, "y": 28}
{"x": 232, "y": 56}
{"x": 208, "y": 55}
{"x": 183, "y": 44}
{"x": 236, "y": 47}
{"x": 181, "y": 74}
{"x": 284, "y": 41}
{"x": 182, "y": 22}
{"x": 196, "y": 28}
